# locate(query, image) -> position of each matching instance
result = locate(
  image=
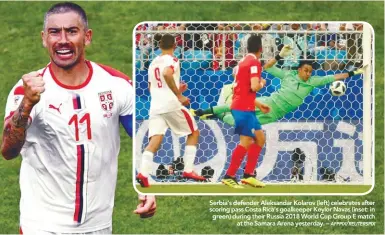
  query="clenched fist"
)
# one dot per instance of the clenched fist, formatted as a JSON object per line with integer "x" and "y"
{"x": 33, "y": 86}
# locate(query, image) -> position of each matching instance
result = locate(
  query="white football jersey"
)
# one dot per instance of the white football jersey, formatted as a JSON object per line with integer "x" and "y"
{"x": 69, "y": 159}
{"x": 163, "y": 100}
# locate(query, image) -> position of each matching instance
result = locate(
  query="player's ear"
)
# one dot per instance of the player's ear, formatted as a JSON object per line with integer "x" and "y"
{"x": 43, "y": 39}
{"x": 88, "y": 37}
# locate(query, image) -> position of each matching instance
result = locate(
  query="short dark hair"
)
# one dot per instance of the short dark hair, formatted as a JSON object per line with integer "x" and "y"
{"x": 254, "y": 43}
{"x": 167, "y": 41}
{"x": 305, "y": 62}
{"x": 64, "y": 7}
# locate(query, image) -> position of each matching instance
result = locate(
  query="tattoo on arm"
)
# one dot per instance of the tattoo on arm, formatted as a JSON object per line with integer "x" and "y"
{"x": 20, "y": 118}
{"x": 14, "y": 131}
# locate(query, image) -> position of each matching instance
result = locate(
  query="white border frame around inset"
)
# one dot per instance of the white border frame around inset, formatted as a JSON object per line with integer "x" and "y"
{"x": 369, "y": 147}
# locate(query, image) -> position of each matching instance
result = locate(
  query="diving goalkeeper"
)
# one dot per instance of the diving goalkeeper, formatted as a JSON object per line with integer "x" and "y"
{"x": 295, "y": 87}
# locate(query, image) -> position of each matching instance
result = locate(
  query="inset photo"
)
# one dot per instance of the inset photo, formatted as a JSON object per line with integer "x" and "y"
{"x": 259, "y": 108}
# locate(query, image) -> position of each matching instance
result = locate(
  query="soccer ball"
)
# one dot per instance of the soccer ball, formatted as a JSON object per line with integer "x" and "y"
{"x": 337, "y": 88}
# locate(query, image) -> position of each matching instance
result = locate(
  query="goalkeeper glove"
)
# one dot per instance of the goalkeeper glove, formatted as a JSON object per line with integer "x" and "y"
{"x": 285, "y": 51}
{"x": 356, "y": 72}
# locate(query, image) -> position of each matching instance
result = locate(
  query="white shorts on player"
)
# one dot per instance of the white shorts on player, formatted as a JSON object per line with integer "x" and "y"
{"x": 180, "y": 122}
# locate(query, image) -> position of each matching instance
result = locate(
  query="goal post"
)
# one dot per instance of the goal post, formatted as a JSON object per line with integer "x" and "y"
{"x": 368, "y": 89}
{"x": 335, "y": 134}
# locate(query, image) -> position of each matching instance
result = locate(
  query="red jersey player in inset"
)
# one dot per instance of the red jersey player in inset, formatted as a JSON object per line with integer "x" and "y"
{"x": 248, "y": 81}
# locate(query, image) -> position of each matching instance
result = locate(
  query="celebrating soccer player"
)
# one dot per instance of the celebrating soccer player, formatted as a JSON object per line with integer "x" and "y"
{"x": 248, "y": 81}
{"x": 64, "y": 121}
{"x": 295, "y": 87}
{"x": 167, "y": 111}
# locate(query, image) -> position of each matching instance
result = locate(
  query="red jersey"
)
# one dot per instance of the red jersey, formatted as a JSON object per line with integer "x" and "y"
{"x": 243, "y": 98}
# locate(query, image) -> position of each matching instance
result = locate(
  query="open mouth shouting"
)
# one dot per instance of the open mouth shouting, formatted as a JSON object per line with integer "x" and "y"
{"x": 64, "y": 54}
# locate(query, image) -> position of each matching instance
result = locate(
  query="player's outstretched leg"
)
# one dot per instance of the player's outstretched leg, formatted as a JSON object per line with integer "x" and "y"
{"x": 147, "y": 159}
{"x": 252, "y": 159}
{"x": 212, "y": 111}
{"x": 199, "y": 113}
{"x": 189, "y": 157}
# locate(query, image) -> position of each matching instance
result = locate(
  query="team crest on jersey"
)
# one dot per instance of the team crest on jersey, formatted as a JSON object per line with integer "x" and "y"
{"x": 106, "y": 102}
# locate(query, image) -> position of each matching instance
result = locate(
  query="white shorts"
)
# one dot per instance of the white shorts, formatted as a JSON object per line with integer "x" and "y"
{"x": 181, "y": 123}
{"x": 25, "y": 230}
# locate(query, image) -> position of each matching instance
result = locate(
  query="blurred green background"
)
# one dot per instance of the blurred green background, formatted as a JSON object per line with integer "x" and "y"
{"x": 21, "y": 51}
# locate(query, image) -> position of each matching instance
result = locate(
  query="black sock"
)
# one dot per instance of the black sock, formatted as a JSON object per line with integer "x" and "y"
{"x": 247, "y": 176}
{"x": 228, "y": 177}
{"x": 201, "y": 112}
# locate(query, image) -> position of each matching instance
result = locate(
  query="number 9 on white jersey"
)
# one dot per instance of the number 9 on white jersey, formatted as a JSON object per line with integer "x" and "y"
{"x": 163, "y": 100}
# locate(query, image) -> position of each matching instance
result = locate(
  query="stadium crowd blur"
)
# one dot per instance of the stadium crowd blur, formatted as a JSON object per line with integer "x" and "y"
{"x": 333, "y": 46}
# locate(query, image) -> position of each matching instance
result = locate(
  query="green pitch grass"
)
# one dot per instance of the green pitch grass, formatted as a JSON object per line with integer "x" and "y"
{"x": 21, "y": 51}
{"x": 270, "y": 188}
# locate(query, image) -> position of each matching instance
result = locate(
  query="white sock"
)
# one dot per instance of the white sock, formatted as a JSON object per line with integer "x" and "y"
{"x": 189, "y": 157}
{"x": 146, "y": 163}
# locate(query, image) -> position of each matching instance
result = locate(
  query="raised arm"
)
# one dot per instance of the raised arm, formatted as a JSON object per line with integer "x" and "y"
{"x": 15, "y": 125}
{"x": 14, "y": 131}
{"x": 269, "y": 66}
{"x": 270, "y": 63}
{"x": 285, "y": 51}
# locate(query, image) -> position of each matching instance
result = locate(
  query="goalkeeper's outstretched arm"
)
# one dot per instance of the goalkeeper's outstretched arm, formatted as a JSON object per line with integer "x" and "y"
{"x": 269, "y": 66}
{"x": 270, "y": 63}
{"x": 285, "y": 51}
{"x": 319, "y": 81}
{"x": 342, "y": 76}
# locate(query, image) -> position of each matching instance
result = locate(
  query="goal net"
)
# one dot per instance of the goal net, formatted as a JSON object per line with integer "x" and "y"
{"x": 327, "y": 139}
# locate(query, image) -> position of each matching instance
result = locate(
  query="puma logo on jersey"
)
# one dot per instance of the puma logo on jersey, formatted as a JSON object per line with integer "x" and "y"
{"x": 53, "y": 107}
